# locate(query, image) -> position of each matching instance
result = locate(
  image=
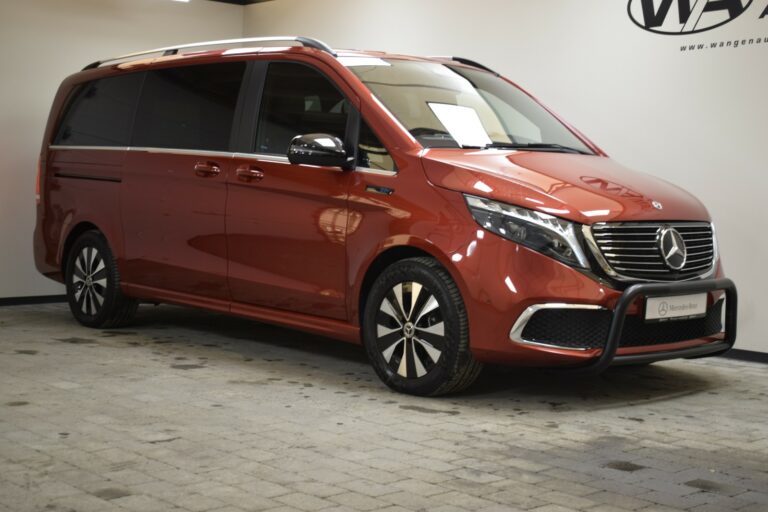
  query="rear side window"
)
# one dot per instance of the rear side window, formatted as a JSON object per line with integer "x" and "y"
{"x": 298, "y": 100}
{"x": 189, "y": 108}
{"x": 101, "y": 113}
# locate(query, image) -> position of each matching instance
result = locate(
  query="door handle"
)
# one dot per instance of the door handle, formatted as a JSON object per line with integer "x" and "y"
{"x": 249, "y": 172}
{"x": 207, "y": 169}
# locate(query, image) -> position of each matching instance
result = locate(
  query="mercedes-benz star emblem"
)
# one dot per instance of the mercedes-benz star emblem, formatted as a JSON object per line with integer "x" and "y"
{"x": 663, "y": 308}
{"x": 657, "y": 205}
{"x": 672, "y": 247}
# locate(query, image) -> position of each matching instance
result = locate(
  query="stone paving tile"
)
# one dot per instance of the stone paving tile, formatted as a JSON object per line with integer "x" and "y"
{"x": 191, "y": 411}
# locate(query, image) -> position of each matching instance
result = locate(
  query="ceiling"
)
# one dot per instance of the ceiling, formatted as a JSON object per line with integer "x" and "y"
{"x": 241, "y": 2}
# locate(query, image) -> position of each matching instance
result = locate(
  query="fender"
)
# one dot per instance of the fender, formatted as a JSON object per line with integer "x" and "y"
{"x": 404, "y": 243}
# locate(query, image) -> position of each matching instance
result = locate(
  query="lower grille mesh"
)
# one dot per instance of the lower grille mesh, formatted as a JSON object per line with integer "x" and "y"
{"x": 584, "y": 328}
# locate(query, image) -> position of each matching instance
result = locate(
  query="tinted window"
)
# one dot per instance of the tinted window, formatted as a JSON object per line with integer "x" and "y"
{"x": 371, "y": 153}
{"x": 298, "y": 100}
{"x": 189, "y": 108}
{"x": 101, "y": 113}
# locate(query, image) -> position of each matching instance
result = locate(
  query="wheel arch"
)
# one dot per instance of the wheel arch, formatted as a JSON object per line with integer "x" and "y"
{"x": 72, "y": 235}
{"x": 392, "y": 255}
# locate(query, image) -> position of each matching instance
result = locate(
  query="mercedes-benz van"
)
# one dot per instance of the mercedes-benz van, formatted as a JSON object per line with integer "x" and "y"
{"x": 427, "y": 208}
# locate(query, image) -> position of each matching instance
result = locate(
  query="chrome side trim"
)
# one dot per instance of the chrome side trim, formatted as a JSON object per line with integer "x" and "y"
{"x": 278, "y": 159}
{"x": 64, "y": 147}
{"x": 608, "y": 269}
{"x": 516, "y": 333}
{"x": 176, "y": 151}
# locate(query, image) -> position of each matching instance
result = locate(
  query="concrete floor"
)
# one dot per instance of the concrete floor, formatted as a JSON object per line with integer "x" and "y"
{"x": 196, "y": 411}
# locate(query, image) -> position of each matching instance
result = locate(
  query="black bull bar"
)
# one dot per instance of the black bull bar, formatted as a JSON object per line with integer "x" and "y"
{"x": 608, "y": 356}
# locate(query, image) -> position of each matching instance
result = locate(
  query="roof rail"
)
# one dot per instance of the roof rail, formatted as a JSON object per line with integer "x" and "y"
{"x": 173, "y": 50}
{"x": 470, "y": 62}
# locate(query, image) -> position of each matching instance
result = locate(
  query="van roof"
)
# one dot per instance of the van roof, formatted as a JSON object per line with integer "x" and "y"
{"x": 264, "y": 44}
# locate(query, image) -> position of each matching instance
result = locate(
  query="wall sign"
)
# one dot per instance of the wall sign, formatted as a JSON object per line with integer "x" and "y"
{"x": 686, "y": 17}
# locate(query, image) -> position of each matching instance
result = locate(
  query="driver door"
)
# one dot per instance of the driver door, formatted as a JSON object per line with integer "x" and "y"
{"x": 287, "y": 224}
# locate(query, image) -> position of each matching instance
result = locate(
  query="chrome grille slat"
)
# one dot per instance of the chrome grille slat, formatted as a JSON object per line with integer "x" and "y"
{"x": 625, "y": 269}
{"x": 649, "y": 225}
{"x": 612, "y": 255}
{"x": 627, "y": 241}
{"x": 615, "y": 248}
{"x": 636, "y": 263}
{"x": 631, "y": 249}
{"x": 612, "y": 233}
{"x": 706, "y": 265}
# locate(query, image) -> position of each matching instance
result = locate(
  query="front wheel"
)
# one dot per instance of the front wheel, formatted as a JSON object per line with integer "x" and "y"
{"x": 93, "y": 284}
{"x": 416, "y": 332}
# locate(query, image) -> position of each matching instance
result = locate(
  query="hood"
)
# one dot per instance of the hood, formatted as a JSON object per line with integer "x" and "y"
{"x": 582, "y": 188}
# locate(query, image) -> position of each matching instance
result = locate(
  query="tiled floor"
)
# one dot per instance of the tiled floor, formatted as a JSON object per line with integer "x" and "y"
{"x": 195, "y": 411}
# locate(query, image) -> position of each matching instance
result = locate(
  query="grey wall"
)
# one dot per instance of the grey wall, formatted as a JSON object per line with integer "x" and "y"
{"x": 43, "y": 41}
{"x": 695, "y": 118}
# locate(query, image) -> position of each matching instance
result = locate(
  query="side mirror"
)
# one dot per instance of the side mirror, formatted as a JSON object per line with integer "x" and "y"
{"x": 318, "y": 149}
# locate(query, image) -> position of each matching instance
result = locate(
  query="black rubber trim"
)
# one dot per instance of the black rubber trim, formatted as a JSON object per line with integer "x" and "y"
{"x": 38, "y": 299}
{"x": 751, "y": 356}
{"x": 474, "y": 64}
{"x": 608, "y": 354}
{"x": 687, "y": 353}
{"x": 86, "y": 177}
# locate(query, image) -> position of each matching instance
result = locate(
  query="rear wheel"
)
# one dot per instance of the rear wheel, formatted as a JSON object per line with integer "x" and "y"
{"x": 416, "y": 332}
{"x": 93, "y": 284}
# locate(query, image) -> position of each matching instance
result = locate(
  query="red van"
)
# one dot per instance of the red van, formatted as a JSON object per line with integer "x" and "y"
{"x": 427, "y": 208}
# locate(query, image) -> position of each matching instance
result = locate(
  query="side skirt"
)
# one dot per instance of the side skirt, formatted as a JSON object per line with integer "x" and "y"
{"x": 317, "y": 325}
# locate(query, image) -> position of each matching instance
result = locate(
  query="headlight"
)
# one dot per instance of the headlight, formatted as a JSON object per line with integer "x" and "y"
{"x": 541, "y": 232}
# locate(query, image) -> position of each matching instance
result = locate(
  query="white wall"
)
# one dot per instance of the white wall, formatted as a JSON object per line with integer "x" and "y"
{"x": 42, "y": 42}
{"x": 697, "y": 119}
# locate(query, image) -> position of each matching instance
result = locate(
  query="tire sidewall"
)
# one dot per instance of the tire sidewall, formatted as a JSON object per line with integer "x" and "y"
{"x": 449, "y": 361}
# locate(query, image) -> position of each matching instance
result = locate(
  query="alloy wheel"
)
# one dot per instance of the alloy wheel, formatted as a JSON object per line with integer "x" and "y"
{"x": 410, "y": 331}
{"x": 89, "y": 280}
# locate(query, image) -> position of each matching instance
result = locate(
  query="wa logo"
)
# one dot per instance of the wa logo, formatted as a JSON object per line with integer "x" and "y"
{"x": 680, "y": 17}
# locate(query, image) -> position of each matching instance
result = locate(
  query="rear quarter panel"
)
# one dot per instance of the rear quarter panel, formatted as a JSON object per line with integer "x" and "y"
{"x": 82, "y": 186}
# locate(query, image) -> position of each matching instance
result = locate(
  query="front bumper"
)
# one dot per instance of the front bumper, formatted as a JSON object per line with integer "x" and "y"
{"x": 608, "y": 353}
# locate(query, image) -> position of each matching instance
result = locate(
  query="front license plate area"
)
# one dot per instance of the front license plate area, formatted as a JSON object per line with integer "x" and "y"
{"x": 678, "y": 307}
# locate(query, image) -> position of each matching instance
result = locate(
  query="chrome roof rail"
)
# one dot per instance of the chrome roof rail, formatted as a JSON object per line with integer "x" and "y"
{"x": 173, "y": 50}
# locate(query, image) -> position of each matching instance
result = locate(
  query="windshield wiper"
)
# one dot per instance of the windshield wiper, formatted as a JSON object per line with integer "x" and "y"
{"x": 535, "y": 145}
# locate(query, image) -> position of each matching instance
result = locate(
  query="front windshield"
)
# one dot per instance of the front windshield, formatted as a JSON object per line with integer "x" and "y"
{"x": 455, "y": 106}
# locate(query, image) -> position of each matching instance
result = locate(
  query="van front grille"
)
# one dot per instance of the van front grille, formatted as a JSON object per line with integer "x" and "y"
{"x": 632, "y": 250}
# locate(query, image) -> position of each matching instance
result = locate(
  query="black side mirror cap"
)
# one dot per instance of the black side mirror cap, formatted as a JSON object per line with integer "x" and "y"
{"x": 319, "y": 149}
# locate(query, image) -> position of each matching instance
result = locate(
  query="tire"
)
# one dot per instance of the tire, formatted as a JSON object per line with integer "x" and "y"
{"x": 418, "y": 346}
{"x": 93, "y": 284}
